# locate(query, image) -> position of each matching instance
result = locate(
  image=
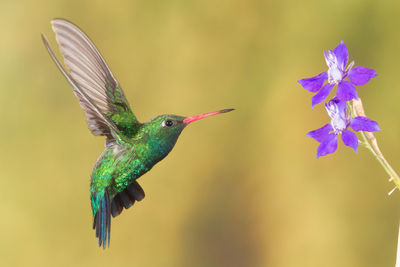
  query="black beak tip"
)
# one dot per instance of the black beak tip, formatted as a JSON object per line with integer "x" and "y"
{"x": 227, "y": 110}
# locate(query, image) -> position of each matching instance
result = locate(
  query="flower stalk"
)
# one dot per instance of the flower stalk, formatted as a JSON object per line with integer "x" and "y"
{"x": 369, "y": 141}
{"x": 398, "y": 251}
{"x": 345, "y": 77}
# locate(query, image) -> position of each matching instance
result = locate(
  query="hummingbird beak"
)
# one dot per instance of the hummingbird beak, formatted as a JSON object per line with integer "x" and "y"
{"x": 205, "y": 115}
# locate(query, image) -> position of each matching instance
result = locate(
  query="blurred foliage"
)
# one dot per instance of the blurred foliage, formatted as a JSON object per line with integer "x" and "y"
{"x": 242, "y": 189}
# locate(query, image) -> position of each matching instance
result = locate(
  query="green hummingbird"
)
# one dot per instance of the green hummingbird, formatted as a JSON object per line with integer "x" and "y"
{"x": 131, "y": 148}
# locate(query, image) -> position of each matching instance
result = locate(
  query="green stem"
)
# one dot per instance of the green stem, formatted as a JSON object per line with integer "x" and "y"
{"x": 374, "y": 149}
{"x": 368, "y": 145}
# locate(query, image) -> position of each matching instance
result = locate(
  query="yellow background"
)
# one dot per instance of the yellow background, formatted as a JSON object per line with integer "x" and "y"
{"x": 239, "y": 189}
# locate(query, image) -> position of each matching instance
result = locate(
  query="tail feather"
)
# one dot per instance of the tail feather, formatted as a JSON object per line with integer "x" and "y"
{"x": 126, "y": 198}
{"x": 114, "y": 207}
{"x": 135, "y": 191}
{"x": 102, "y": 221}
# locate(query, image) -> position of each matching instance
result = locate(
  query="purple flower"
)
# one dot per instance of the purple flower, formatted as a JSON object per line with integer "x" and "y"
{"x": 340, "y": 123}
{"x": 336, "y": 60}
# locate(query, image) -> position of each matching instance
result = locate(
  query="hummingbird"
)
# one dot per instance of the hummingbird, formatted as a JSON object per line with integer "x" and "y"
{"x": 131, "y": 148}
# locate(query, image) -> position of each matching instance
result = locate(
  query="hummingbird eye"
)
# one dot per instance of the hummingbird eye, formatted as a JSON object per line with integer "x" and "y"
{"x": 168, "y": 123}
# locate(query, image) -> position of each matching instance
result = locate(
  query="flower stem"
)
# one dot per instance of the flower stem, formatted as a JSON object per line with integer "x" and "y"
{"x": 398, "y": 251}
{"x": 369, "y": 141}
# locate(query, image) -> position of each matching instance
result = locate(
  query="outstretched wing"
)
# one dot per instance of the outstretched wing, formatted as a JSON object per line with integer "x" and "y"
{"x": 97, "y": 89}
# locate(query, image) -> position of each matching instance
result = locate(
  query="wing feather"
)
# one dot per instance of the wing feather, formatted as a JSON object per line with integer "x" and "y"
{"x": 91, "y": 75}
{"x": 98, "y": 123}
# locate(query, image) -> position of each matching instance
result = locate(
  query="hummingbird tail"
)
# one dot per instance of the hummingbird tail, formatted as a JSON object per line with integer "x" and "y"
{"x": 107, "y": 207}
{"x": 126, "y": 198}
{"x": 102, "y": 221}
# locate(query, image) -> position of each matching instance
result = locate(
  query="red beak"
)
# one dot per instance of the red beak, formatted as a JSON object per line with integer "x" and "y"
{"x": 205, "y": 115}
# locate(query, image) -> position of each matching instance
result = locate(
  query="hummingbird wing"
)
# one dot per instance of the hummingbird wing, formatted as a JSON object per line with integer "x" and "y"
{"x": 98, "y": 91}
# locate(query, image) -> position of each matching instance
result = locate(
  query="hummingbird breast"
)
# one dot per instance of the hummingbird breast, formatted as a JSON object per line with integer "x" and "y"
{"x": 118, "y": 166}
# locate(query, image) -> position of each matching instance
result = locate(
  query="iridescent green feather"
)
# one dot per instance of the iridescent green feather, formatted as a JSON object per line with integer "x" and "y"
{"x": 132, "y": 148}
{"x": 121, "y": 114}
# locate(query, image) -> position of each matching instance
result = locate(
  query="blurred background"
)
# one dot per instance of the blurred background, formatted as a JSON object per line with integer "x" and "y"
{"x": 240, "y": 189}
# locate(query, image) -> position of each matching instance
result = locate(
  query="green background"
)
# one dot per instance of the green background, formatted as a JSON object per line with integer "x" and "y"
{"x": 239, "y": 189}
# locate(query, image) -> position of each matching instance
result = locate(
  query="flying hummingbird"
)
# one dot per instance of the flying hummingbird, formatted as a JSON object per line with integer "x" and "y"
{"x": 131, "y": 148}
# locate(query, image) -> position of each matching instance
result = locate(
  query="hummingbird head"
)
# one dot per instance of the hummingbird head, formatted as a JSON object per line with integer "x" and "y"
{"x": 163, "y": 131}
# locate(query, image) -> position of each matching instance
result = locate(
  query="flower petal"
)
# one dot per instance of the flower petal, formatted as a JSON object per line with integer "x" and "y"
{"x": 320, "y": 134}
{"x": 336, "y": 109}
{"x": 365, "y": 124}
{"x": 350, "y": 139}
{"x": 315, "y": 83}
{"x": 361, "y": 75}
{"x": 346, "y": 91}
{"x": 342, "y": 55}
{"x": 327, "y": 146}
{"x": 322, "y": 94}
{"x": 336, "y": 105}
